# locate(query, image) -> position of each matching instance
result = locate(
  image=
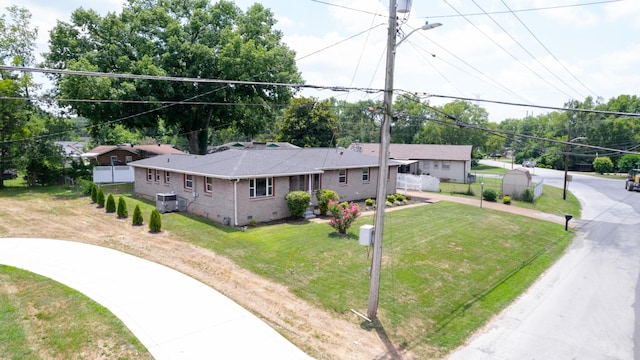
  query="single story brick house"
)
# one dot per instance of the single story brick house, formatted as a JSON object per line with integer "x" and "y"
{"x": 446, "y": 162}
{"x": 124, "y": 153}
{"x": 235, "y": 187}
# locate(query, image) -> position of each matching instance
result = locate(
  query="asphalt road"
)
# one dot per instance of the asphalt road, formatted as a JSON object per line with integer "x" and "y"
{"x": 583, "y": 307}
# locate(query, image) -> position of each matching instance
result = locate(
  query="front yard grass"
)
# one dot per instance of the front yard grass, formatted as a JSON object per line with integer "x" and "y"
{"x": 447, "y": 268}
{"x": 40, "y": 318}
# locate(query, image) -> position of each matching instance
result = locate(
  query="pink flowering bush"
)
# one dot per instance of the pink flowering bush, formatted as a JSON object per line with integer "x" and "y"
{"x": 343, "y": 215}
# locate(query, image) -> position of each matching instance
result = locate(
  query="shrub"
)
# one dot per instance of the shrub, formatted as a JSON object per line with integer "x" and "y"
{"x": 85, "y": 186}
{"x": 602, "y": 165}
{"x": 298, "y": 201}
{"x": 94, "y": 193}
{"x": 324, "y": 196}
{"x": 388, "y": 204}
{"x": 489, "y": 195}
{"x": 253, "y": 223}
{"x": 506, "y": 200}
{"x": 343, "y": 215}
{"x": 155, "y": 221}
{"x": 137, "y": 216}
{"x": 391, "y": 198}
{"x": 369, "y": 202}
{"x": 100, "y": 198}
{"x": 527, "y": 196}
{"x": 123, "y": 213}
{"x": 111, "y": 204}
{"x": 400, "y": 197}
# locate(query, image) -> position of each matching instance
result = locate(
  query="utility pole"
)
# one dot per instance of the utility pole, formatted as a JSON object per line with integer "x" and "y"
{"x": 383, "y": 170}
{"x": 566, "y": 161}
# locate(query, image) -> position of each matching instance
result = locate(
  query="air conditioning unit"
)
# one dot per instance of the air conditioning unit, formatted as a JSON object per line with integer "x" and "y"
{"x": 167, "y": 202}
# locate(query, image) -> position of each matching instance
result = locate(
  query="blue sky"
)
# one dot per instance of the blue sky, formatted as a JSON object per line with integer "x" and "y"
{"x": 543, "y": 57}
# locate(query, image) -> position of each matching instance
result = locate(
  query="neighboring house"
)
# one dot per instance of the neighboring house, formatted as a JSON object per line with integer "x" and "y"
{"x": 446, "y": 162}
{"x": 251, "y": 145}
{"x": 72, "y": 149}
{"x": 515, "y": 182}
{"x": 234, "y": 186}
{"x": 123, "y": 154}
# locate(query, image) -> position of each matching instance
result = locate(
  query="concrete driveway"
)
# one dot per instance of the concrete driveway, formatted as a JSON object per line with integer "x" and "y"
{"x": 173, "y": 315}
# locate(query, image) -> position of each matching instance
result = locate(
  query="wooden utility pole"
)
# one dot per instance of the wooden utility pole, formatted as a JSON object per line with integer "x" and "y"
{"x": 383, "y": 172}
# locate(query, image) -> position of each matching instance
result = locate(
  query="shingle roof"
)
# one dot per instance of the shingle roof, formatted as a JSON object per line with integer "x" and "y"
{"x": 242, "y": 164}
{"x": 157, "y": 149}
{"x": 420, "y": 151}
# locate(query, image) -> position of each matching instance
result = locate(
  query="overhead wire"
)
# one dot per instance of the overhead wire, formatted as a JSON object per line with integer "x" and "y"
{"x": 547, "y": 49}
{"x": 526, "y": 50}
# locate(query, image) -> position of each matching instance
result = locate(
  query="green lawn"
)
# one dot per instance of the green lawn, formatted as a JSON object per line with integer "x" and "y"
{"x": 40, "y": 318}
{"x": 447, "y": 268}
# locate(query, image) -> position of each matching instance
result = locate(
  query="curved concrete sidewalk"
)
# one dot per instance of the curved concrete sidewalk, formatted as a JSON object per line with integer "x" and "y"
{"x": 173, "y": 315}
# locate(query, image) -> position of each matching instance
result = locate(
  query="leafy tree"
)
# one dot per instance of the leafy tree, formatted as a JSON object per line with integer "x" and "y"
{"x": 357, "y": 122}
{"x": 603, "y": 165}
{"x": 308, "y": 122}
{"x": 100, "y": 198}
{"x": 111, "y": 204}
{"x": 410, "y": 115}
{"x": 155, "y": 221}
{"x": 17, "y": 41}
{"x": 123, "y": 213}
{"x": 297, "y": 202}
{"x": 628, "y": 162}
{"x": 180, "y": 38}
{"x": 137, "y": 216}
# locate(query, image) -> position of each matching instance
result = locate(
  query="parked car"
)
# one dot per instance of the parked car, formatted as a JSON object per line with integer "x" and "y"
{"x": 9, "y": 175}
{"x": 529, "y": 164}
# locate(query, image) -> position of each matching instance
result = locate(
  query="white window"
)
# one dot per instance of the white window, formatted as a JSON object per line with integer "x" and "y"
{"x": 260, "y": 187}
{"x": 425, "y": 164}
{"x": 167, "y": 176}
{"x": 365, "y": 174}
{"x": 315, "y": 183}
{"x": 446, "y": 165}
{"x": 158, "y": 176}
{"x": 188, "y": 182}
{"x": 342, "y": 176}
{"x": 149, "y": 174}
{"x": 128, "y": 159}
{"x": 208, "y": 184}
{"x": 114, "y": 159}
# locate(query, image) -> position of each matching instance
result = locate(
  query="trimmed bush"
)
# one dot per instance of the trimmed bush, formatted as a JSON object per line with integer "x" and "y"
{"x": 324, "y": 196}
{"x": 527, "y": 196}
{"x": 123, "y": 213}
{"x": 369, "y": 202}
{"x": 137, "y": 216}
{"x": 111, "y": 204}
{"x": 506, "y": 200}
{"x": 391, "y": 198}
{"x": 94, "y": 193}
{"x": 298, "y": 201}
{"x": 100, "y": 198}
{"x": 155, "y": 221}
{"x": 489, "y": 195}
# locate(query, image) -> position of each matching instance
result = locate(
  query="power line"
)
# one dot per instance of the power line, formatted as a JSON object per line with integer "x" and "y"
{"x": 524, "y": 10}
{"x": 616, "y": 113}
{"x": 547, "y": 49}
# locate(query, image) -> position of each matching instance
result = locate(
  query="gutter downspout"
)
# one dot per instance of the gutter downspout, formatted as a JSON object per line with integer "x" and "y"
{"x": 235, "y": 202}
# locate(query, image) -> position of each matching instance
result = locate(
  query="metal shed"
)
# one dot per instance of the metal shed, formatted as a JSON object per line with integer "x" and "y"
{"x": 515, "y": 182}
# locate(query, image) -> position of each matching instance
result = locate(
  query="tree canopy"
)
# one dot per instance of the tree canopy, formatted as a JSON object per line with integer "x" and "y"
{"x": 176, "y": 38}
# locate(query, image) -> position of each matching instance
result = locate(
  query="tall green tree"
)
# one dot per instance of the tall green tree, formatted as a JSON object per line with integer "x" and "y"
{"x": 308, "y": 122}
{"x": 179, "y": 38}
{"x": 17, "y": 41}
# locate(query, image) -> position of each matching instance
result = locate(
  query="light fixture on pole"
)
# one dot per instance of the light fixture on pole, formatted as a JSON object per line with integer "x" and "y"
{"x": 566, "y": 162}
{"x": 383, "y": 170}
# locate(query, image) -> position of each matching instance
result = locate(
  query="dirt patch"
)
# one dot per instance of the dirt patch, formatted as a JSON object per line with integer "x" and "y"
{"x": 322, "y": 334}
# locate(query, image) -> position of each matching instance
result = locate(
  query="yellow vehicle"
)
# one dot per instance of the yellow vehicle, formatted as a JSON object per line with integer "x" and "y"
{"x": 633, "y": 180}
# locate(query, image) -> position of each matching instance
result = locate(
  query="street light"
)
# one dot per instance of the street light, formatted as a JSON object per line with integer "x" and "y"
{"x": 566, "y": 163}
{"x": 383, "y": 172}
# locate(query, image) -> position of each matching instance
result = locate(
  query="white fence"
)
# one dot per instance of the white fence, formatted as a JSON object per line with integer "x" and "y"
{"x": 113, "y": 174}
{"x": 417, "y": 182}
{"x": 537, "y": 189}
